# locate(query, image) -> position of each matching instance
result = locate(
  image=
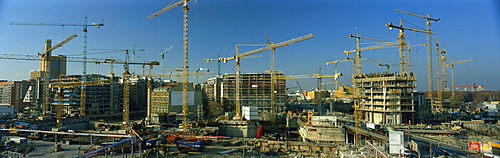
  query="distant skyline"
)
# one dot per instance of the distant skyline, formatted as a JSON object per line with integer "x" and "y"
{"x": 467, "y": 29}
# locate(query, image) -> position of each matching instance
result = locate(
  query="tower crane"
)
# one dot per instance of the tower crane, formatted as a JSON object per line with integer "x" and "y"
{"x": 185, "y": 79}
{"x": 441, "y": 76}
{"x": 452, "y": 66}
{"x": 384, "y": 45}
{"x": 409, "y": 54}
{"x": 358, "y": 50}
{"x": 430, "y": 84}
{"x": 45, "y": 57}
{"x": 401, "y": 39}
{"x": 219, "y": 59}
{"x": 197, "y": 70}
{"x": 84, "y": 48}
{"x": 162, "y": 55}
{"x": 388, "y": 66}
{"x": 238, "y": 56}
{"x": 127, "y": 55}
{"x": 428, "y": 32}
{"x": 336, "y": 71}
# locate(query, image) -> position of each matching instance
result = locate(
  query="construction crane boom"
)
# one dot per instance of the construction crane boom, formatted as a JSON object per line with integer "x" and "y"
{"x": 390, "y": 25}
{"x": 37, "y": 58}
{"x": 336, "y": 70}
{"x": 430, "y": 84}
{"x": 60, "y": 44}
{"x": 410, "y": 13}
{"x": 377, "y": 46}
{"x": 185, "y": 78}
{"x": 271, "y": 46}
{"x": 84, "y": 25}
{"x": 162, "y": 55}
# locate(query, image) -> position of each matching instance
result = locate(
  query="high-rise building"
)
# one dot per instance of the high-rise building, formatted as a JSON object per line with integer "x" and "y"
{"x": 388, "y": 98}
{"x": 57, "y": 65}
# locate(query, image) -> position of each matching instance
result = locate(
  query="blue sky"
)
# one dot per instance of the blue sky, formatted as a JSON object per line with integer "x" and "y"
{"x": 467, "y": 29}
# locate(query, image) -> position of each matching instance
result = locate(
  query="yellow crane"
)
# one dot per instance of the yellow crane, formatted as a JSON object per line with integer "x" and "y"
{"x": 84, "y": 48}
{"x": 238, "y": 56}
{"x": 388, "y": 66}
{"x": 401, "y": 41}
{"x": 409, "y": 65}
{"x": 441, "y": 75}
{"x": 452, "y": 66}
{"x": 427, "y": 17}
{"x": 126, "y": 86}
{"x": 185, "y": 79}
{"x": 45, "y": 58}
{"x": 401, "y": 37}
{"x": 336, "y": 71}
{"x": 358, "y": 50}
{"x": 218, "y": 59}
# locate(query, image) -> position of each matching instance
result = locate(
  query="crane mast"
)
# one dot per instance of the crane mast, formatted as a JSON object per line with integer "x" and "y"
{"x": 439, "y": 106}
{"x": 452, "y": 66}
{"x": 358, "y": 114}
{"x": 45, "y": 67}
{"x": 185, "y": 79}
{"x": 430, "y": 84}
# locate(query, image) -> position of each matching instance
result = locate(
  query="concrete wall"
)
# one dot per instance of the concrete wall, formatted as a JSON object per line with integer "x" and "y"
{"x": 238, "y": 129}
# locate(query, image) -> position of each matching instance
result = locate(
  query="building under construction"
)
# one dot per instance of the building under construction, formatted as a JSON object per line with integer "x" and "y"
{"x": 255, "y": 90}
{"x": 105, "y": 98}
{"x": 167, "y": 101}
{"x": 388, "y": 98}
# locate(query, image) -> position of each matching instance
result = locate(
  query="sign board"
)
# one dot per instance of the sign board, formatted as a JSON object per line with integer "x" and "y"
{"x": 486, "y": 148}
{"x": 396, "y": 137}
{"x": 474, "y": 145}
